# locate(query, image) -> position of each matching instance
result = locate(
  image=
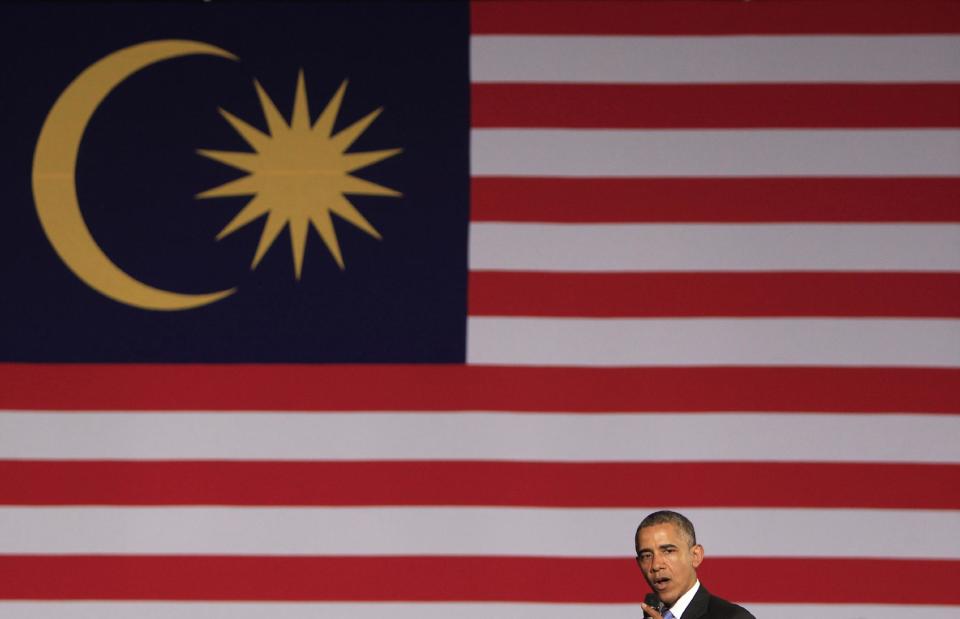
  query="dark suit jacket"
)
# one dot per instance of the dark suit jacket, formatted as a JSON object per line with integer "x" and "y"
{"x": 706, "y": 606}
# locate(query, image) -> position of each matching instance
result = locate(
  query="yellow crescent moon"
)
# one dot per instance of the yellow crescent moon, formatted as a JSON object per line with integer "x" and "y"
{"x": 54, "y": 184}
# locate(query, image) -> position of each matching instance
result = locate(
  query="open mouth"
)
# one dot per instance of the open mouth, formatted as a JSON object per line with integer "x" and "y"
{"x": 661, "y": 583}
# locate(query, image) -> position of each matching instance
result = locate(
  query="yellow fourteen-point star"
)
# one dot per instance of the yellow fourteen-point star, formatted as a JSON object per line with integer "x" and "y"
{"x": 299, "y": 174}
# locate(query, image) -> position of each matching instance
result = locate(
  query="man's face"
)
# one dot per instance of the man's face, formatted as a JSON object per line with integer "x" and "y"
{"x": 668, "y": 561}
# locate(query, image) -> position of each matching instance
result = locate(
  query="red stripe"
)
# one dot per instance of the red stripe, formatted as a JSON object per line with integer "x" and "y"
{"x": 713, "y": 106}
{"x": 455, "y": 387}
{"x": 828, "y": 581}
{"x": 534, "y": 484}
{"x": 483, "y": 579}
{"x": 696, "y": 18}
{"x": 715, "y": 199}
{"x": 908, "y": 295}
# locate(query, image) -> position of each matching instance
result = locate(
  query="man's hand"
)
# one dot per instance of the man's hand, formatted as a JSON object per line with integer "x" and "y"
{"x": 650, "y": 611}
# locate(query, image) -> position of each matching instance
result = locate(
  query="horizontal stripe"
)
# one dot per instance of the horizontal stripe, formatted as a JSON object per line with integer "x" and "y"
{"x": 519, "y": 579}
{"x": 631, "y": 17}
{"x": 675, "y": 153}
{"x": 502, "y": 293}
{"x": 714, "y": 247}
{"x": 533, "y": 484}
{"x": 714, "y": 341}
{"x": 736, "y": 59}
{"x": 237, "y": 387}
{"x": 431, "y": 610}
{"x": 439, "y": 531}
{"x": 481, "y": 436}
{"x": 308, "y": 610}
{"x": 714, "y": 199}
{"x": 663, "y": 106}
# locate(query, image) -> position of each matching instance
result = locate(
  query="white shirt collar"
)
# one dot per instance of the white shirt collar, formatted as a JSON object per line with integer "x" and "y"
{"x": 684, "y": 601}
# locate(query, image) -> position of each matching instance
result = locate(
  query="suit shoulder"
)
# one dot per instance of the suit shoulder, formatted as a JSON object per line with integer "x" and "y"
{"x": 718, "y": 608}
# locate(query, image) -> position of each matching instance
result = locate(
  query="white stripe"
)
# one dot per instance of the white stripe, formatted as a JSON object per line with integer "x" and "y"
{"x": 481, "y": 436}
{"x": 714, "y": 247}
{"x": 468, "y": 531}
{"x": 714, "y": 59}
{"x": 713, "y": 341}
{"x": 851, "y": 611}
{"x": 430, "y": 610}
{"x": 726, "y": 153}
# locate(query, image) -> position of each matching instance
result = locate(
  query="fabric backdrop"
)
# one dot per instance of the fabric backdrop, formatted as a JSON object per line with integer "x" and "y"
{"x": 631, "y": 256}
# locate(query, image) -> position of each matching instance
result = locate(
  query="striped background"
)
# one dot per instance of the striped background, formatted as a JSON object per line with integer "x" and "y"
{"x": 715, "y": 266}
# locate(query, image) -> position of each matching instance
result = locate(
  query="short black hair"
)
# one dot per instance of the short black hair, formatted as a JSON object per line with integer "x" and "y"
{"x": 665, "y": 516}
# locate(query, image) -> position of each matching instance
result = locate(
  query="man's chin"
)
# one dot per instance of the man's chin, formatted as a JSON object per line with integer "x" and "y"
{"x": 668, "y": 592}
{"x": 669, "y": 600}
{"x": 662, "y": 587}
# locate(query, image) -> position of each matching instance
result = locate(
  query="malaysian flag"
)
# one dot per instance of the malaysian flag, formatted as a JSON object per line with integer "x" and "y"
{"x": 632, "y": 255}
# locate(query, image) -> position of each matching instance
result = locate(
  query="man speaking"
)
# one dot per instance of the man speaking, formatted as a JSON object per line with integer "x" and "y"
{"x": 668, "y": 555}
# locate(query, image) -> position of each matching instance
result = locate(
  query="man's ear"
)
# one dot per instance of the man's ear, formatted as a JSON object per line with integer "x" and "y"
{"x": 697, "y": 551}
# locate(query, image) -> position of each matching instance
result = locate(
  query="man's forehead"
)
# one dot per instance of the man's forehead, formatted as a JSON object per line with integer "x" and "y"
{"x": 664, "y": 534}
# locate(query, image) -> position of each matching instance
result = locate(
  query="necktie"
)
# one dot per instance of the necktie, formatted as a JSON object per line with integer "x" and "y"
{"x": 668, "y": 615}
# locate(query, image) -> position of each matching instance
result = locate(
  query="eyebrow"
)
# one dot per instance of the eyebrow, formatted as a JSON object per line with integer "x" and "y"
{"x": 661, "y": 547}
